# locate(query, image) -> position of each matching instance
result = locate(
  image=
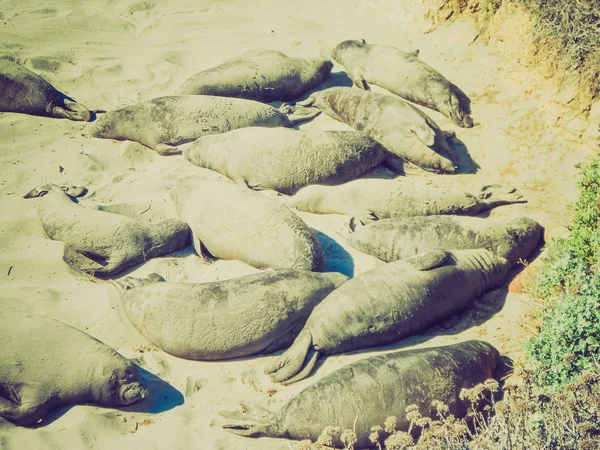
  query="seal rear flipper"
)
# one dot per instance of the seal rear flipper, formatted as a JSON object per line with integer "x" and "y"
{"x": 166, "y": 149}
{"x": 73, "y": 111}
{"x": 252, "y": 420}
{"x": 496, "y": 195}
{"x": 90, "y": 262}
{"x": 429, "y": 260}
{"x": 21, "y": 414}
{"x": 308, "y": 102}
{"x": 290, "y": 363}
{"x": 301, "y": 114}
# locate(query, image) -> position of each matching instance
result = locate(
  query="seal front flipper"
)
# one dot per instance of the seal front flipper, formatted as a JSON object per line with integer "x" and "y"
{"x": 166, "y": 149}
{"x": 308, "y": 102}
{"x": 425, "y": 133}
{"x": 430, "y": 260}
{"x": 359, "y": 220}
{"x": 361, "y": 83}
{"x": 252, "y": 420}
{"x": 291, "y": 362}
{"x": 72, "y": 110}
{"x": 201, "y": 250}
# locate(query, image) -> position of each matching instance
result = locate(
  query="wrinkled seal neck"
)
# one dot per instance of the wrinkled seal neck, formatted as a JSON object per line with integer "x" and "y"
{"x": 492, "y": 269}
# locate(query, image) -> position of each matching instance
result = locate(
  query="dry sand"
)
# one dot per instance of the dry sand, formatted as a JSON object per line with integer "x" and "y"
{"x": 108, "y": 54}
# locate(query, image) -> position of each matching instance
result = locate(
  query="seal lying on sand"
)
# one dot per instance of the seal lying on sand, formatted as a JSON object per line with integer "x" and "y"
{"x": 258, "y": 313}
{"x": 388, "y": 303}
{"x": 236, "y": 223}
{"x": 394, "y": 239}
{"x": 372, "y": 199}
{"x": 103, "y": 243}
{"x": 45, "y": 364}
{"x": 400, "y": 127}
{"x": 266, "y": 76}
{"x": 405, "y": 75}
{"x": 367, "y": 392}
{"x": 22, "y": 91}
{"x": 286, "y": 160}
{"x": 165, "y": 122}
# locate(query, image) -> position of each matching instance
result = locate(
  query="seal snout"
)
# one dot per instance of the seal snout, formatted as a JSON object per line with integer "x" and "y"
{"x": 132, "y": 392}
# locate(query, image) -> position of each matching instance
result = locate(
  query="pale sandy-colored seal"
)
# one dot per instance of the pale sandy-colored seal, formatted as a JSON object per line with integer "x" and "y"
{"x": 232, "y": 222}
{"x": 365, "y": 393}
{"x": 394, "y": 239}
{"x": 258, "y": 313}
{"x": 103, "y": 243}
{"x": 266, "y": 76}
{"x": 404, "y": 74}
{"x": 284, "y": 159}
{"x": 400, "y": 127}
{"x": 22, "y": 91}
{"x": 372, "y": 199}
{"x": 388, "y": 303}
{"x": 45, "y": 364}
{"x": 166, "y": 122}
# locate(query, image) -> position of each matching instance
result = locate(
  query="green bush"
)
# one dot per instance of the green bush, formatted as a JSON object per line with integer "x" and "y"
{"x": 569, "y": 338}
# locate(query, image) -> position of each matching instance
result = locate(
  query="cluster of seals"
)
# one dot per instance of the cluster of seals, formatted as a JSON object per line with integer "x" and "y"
{"x": 22, "y": 91}
{"x": 266, "y": 76}
{"x": 258, "y": 313}
{"x": 388, "y": 303}
{"x": 286, "y": 160}
{"x": 404, "y": 74}
{"x": 45, "y": 364}
{"x": 367, "y": 392}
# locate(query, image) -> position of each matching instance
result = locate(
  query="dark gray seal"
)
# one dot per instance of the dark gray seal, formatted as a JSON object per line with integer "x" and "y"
{"x": 404, "y": 74}
{"x": 163, "y": 123}
{"x": 284, "y": 159}
{"x": 266, "y": 76}
{"x": 258, "y": 313}
{"x": 388, "y": 303}
{"x": 45, "y": 364}
{"x": 372, "y": 199}
{"x": 400, "y": 127}
{"x": 22, "y": 91}
{"x": 102, "y": 243}
{"x": 232, "y": 222}
{"x": 394, "y": 239}
{"x": 367, "y": 392}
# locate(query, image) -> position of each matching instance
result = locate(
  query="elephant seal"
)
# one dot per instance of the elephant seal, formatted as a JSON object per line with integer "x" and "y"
{"x": 265, "y": 76}
{"x": 286, "y": 160}
{"x": 236, "y": 223}
{"x": 400, "y": 127}
{"x": 166, "y": 122}
{"x": 258, "y": 313}
{"x": 22, "y": 91}
{"x": 404, "y": 74}
{"x": 45, "y": 364}
{"x": 102, "y": 243}
{"x": 367, "y": 392}
{"x": 372, "y": 199}
{"x": 394, "y": 239}
{"x": 388, "y": 303}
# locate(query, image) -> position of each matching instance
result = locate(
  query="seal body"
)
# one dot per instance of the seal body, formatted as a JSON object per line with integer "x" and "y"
{"x": 232, "y": 222}
{"x": 394, "y": 239}
{"x": 22, "y": 91}
{"x": 166, "y": 122}
{"x": 400, "y": 127}
{"x": 390, "y": 302}
{"x": 372, "y": 199}
{"x": 258, "y": 313}
{"x": 405, "y": 75}
{"x": 103, "y": 243}
{"x": 367, "y": 392}
{"x": 45, "y": 364}
{"x": 266, "y": 76}
{"x": 285, "y": 159}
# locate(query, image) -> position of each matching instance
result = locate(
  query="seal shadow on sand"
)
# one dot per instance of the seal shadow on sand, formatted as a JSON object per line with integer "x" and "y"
{"x": 337, "y": 259}
{"x": 465, "y": 163}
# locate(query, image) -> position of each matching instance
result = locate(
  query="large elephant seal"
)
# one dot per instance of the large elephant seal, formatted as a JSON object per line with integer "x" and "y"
{"x": 45, "y": 364}
{"x": 258, "y": 313}
{"x": 400, "y": 127}
{"x": 102, "y": 243}
{"x": 388, "y": 303}
{"x": 166, "y": 122}
{"x": 232, "y": 222}
{"x": 367, "y": 392}
{"x": 266, "y": 76}
{"x": 372, "y": 199}
{"x": 394, "y": 239}
{"x": 404, "y": 74}
{"x": 22, "y": 91}
{"x": 286, "y": 160}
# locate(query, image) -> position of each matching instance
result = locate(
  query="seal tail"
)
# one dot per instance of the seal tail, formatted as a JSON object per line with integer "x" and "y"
{"x": 296, "y": 363}
{"x": 250, "y": 421}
